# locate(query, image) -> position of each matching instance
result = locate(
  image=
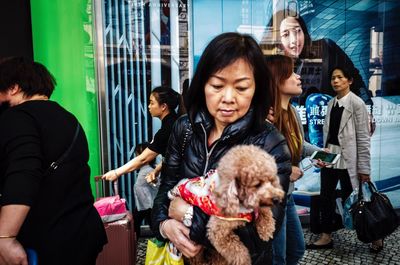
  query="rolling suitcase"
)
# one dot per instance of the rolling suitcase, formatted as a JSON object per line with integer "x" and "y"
{"x": 122, "y": 245}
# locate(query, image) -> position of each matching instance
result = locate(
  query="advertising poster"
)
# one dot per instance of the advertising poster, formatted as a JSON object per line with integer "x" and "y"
{"x": 318, "y": 35}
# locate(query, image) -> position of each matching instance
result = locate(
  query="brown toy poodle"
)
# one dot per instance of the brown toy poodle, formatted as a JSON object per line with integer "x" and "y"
{"x": 247, "y": 185}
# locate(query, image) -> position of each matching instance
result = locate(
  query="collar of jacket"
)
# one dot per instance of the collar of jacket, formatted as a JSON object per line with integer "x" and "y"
{"x": 238, "y": 129}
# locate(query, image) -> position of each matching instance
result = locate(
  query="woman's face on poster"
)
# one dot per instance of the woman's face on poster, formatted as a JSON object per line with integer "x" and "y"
{"x": 292, "y": 37}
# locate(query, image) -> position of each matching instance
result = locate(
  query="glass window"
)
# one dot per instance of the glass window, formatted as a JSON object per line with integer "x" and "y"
{"x": 141, "y": 45}
{"x": 146, "y": 43}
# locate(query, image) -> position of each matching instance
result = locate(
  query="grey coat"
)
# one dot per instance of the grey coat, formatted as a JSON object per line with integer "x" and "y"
{"x": 353, "y": 137}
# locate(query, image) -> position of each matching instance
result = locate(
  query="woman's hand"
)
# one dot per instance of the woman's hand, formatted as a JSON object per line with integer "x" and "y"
{"x": 178, "y": 234}
{"x": 111, "y": 175}
{"x": 364, "y": 177}
{"x": 320, "y": 164}
{"x": 177, "y": 209}
{"x": 270, "y": 115}
{"x": 151, "y": 177}
{"x": 297, "y": 173}
{"x": 12, "y": 252}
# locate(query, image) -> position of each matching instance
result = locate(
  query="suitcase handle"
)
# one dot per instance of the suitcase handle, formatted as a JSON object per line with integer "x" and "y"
{"x": 98, "y": 179}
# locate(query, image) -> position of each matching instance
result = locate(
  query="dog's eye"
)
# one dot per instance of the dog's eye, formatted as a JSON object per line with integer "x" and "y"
{"x": 258, "y": 185}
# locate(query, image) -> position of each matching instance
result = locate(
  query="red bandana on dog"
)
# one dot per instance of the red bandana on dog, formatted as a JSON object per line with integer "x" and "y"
{"x": 198, "y": 192}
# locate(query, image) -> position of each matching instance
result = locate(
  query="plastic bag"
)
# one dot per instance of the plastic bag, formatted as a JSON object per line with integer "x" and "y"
{"x": 366, "y": 192}
{"x": 347, "y": 216}
{"x": 346, "y": 211}
{"x": 161, "y": 253}
{"x": 111, "y": 208}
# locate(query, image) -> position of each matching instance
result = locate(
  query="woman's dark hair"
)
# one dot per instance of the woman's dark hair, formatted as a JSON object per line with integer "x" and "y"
{"x": 281, "y": 68}
{"x": 168, "y": 96}
{"x": 349, "y": 74}
{"x": 306, "y": 52}
{"x": 222, "y": 51}
{"x": 139, "y": 148}
{"x": 346, "y": 72}
{"x": 32, "y": 77}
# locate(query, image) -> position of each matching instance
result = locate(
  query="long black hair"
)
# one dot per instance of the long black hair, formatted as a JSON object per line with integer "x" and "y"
{"x": 222, "y": 51}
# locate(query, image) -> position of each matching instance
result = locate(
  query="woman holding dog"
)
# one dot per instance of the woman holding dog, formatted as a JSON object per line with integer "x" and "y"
{"x": 288, "y": 244}
{"x": 226, "y": 104}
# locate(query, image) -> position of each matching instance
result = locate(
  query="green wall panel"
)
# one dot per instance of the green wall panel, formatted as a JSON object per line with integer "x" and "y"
{"x": 63, "y": 41}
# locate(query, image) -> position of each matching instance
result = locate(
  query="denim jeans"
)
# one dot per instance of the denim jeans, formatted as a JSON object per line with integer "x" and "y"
{"x": 288, "y": 245}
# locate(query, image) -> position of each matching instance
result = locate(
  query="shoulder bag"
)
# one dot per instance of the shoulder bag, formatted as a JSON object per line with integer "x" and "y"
{"x": 54, "y": 165}
{"x": 375, "y": 219}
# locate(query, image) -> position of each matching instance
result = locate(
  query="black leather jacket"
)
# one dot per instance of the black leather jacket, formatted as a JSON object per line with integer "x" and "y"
{"x": 197, "y": 159}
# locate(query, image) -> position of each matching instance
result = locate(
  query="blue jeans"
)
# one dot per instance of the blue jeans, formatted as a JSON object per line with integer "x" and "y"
{"x": 288, "y": 245}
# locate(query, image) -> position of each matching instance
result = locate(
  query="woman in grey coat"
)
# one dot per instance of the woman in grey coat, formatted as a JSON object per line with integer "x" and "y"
{"x": 346, "y": 132}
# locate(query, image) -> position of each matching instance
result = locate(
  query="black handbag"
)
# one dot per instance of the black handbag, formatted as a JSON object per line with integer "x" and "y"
{"x": 375, "y": 219}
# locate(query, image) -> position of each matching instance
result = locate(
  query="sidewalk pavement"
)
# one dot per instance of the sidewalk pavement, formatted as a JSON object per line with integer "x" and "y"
{"x": 347, "y": 250}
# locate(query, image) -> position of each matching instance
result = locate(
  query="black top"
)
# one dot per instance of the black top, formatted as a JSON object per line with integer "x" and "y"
{"x": 197, "y": 159}
{"x": 334, "y": 124}
{"x": 62, "y": 224}
{"x": 160, "y": 140}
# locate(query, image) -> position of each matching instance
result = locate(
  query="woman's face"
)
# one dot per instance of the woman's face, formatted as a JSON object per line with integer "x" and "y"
{"x": 292, "y": 37}
{"x": 340, "y": 83}
{"x": 291, "y": 86}
{"x": 229, "y": 92}
{"x": 155, "y": 109}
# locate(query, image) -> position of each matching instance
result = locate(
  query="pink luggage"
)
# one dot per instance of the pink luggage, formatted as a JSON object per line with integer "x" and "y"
{"x": 122, "y": 245}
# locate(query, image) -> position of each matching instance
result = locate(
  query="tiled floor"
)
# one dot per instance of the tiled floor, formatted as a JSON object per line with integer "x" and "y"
{"x": 347, "y": 250}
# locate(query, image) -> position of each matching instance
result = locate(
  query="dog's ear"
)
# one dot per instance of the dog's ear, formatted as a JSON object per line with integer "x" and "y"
{"x": 227, "y": 199}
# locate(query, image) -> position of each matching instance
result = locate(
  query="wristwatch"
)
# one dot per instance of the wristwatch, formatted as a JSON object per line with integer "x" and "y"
{"x": 187, "y": 218}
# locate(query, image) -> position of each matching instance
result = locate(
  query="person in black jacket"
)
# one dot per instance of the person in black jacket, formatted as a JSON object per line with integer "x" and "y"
{"x": 226, "y": 104}
{"x": 49, "y": 211}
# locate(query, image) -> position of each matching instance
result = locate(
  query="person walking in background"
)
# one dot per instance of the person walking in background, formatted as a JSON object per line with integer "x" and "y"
{"x": 288, "y": 245}
{"x": 48, "y": 209}
{"x": 227, "y": 102}
{"x": 162, "y": 104}
{"x": 345, "y": 132}
{"x": 144, "y": 191}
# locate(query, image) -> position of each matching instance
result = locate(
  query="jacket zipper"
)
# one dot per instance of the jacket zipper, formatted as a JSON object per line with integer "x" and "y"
{"x": 208, "y": 152}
